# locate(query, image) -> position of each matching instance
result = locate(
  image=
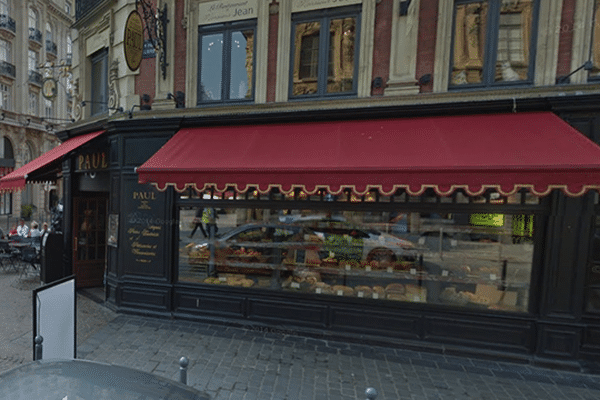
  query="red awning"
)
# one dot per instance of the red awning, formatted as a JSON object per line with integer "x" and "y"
{"x": 18, "y": 178}
{"x": 505, "y": 152}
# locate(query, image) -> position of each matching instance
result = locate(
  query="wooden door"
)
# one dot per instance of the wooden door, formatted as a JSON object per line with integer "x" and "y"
{"x": 89, "y": 240}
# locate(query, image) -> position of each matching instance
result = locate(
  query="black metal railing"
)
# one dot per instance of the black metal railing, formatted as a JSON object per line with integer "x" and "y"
{"x": 35, "y": 78}
{"x": 35, "y": 35}
{"x": 82, "y": 7}
{"x": 51, "y": 47}
{"x": 7, "y": 69}
{"x": 8, "y": 23}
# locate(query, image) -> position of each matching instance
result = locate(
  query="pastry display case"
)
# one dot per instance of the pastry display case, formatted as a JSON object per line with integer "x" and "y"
{"x": 360, "y": 256}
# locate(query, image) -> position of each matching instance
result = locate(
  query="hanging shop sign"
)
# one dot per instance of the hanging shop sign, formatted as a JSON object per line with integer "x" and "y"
{"x": 133, "y": 40}
{"x": 226, "y": 10}
{"x": 49, "y": 88}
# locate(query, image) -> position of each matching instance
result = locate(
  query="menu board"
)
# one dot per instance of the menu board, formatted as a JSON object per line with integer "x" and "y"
{"x": 143, "y": 228}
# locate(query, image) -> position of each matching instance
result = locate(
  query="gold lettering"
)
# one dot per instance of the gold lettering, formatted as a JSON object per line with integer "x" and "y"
{"x": 80, "y": 159}
{"x": 95, "y": 160}
{"x": 104, "y": 163}
{"x": 87, "y": 162}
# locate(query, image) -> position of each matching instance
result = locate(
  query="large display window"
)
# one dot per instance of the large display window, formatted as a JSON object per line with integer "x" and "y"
{"x": 477, "y": 260}
{"x": 366, "y": 247}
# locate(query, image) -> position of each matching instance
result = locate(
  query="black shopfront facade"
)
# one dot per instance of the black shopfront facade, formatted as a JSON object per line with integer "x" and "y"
{"x": 506, "y": 275}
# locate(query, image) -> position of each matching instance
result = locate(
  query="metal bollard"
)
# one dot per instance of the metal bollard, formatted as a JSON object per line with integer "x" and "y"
{"x": 183, "y": 364}
{"x": 371, "y": 393}
{"x": 38, "y": 347}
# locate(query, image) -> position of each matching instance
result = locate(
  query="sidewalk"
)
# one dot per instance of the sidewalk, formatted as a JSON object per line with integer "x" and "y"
{"x": 233, "y": 363}
{"x": 246, "y": 364}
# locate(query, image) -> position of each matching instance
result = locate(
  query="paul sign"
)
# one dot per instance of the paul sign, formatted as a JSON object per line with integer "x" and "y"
{"x": 134, "y": 40}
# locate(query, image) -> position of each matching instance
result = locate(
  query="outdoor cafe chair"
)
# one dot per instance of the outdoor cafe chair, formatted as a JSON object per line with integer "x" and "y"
{"x": 29, "y": 258}
{"x": 7, "y": 257}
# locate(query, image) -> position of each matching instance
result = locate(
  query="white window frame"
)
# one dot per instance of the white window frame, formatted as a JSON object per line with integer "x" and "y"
{"x": 5, "y": 97}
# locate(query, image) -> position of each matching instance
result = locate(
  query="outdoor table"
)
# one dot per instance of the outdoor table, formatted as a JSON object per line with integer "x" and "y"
{"x": 82, "y": 379}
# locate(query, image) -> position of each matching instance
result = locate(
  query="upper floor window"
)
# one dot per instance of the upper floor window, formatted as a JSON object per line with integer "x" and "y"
{"x": 226, "y": 62}
{"x": 5, "y": 53}
{"x": 99, "y": 82}
{"x": 32, "y": 62}
{"x": 4, "y": 7}
{"x": 33, "y": 19}
{"x": 5, "y": 97}
{"x": 48, "y": 108}
{"x": 595, "y": 50}
{"x": 493, "y": 42}
{"x": 68, "y": 7}
{"x": 48, "y": 32}
{"x": 325, "y": 52}
{"x": 69, "y": 49}
{"x": 33, "y": 103}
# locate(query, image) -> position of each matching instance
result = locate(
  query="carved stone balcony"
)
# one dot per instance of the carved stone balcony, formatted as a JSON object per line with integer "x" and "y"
{"x": 7, "y": 69}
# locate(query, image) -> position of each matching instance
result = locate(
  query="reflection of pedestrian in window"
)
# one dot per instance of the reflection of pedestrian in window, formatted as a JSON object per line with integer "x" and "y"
{"x": 209, "y": 217}
{"x": 198, "y": 223}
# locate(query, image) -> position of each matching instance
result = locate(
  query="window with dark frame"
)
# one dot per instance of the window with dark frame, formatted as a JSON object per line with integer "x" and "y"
{"x": 226, "y": 62}
{"x": 493, "y": 43}
{"x": 475, "y": 253}
{"x": 99, "y": 82}
{"x": 324, "y": 59}
{"x": 6, "y": 197}
{"x": 594, "y": 74}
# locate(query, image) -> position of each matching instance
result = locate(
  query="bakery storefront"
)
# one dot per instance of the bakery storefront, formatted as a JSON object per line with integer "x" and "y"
{"x": 461, "y": 234}
{"x": 454, "y": 231}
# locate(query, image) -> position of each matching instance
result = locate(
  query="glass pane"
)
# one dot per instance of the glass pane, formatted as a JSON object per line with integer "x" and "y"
{"x": 242, "y": 64}
{"x": 474, "y": 261}
{"x": 211, "y": 67}
{"x": 596, "y": 41}
{"x": 469, "y": 43}
{"x": 342, "y": 43}
{"x": 306, "y": 58}
{"x": 514, "y": 38}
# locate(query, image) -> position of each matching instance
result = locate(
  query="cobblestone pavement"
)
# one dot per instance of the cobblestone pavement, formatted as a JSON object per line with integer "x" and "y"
{"x": 234, "y": 363}
{"x": 16, "y": 323}
{"x": 246, "y": 364}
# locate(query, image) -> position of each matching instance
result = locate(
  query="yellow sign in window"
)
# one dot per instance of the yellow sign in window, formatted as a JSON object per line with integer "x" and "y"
{"x": 487, "y": 219}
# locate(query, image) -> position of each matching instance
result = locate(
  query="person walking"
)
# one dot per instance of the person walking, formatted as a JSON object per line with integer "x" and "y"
{"x": 198, "y": 220}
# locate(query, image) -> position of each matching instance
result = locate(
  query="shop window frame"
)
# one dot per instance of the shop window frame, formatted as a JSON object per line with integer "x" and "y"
{"x": 592, "y": 262}
{"x": 428, "y": 202}
{"x": 324, "y": 17}
{"x": 595, "y": 30}
{"x": 490, "y": 52}
{"x": 226, "y": 28}
{"x": 99, "y": 95}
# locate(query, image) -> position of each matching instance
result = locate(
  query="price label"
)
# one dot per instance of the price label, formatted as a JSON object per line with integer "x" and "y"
{"x": 413, "y": 271}
{"x": 361, "y": 294}
{"x": 445, "y": 272}
{"x": 318, "y": 290}
{"x": 390, "y": 270}
{"x": 375, "y": 295}
{"x": 295, "y": 285}
{"x": 416, "y": 299}
{"x": 492, "y": 277}
{"x": 222, "y": 279}
{"x": 348, "y": 267}
{"x": 368, "y": 268}
{"x": 340, "y": 292}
